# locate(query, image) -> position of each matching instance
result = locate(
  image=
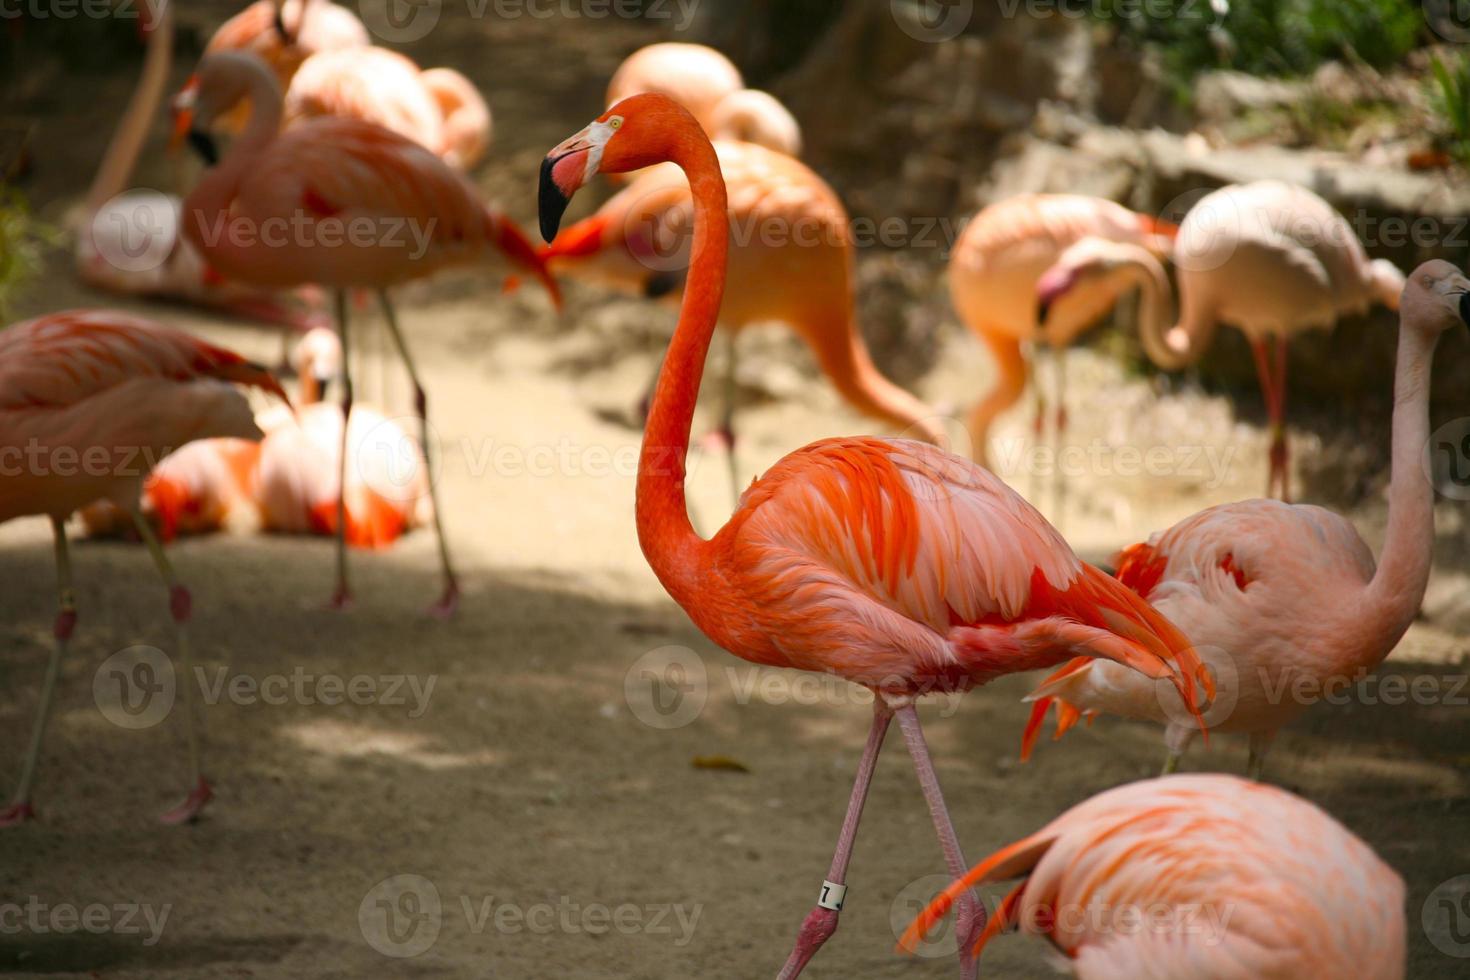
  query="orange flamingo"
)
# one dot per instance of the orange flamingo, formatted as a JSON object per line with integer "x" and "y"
{"x": 281, "y": 209}
{"x": 128, "y": 242}
{"x": 1274, "y": 594}
{"x": 710, "y": 86}
{"x": 994, "y": 274}
{"x": 1271, "y": 258}
{"x": 200, "y": 488}
{"x": 792, "y": 261}
{"x": 1205, "y": 877}
{"x": 892, "y": 564}
{"x": 88, "y": 399}
{"x": 295, "y": 481}
{"x": 437, "y": 109}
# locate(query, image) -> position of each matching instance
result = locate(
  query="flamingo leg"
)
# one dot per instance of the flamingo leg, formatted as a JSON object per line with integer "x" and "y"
{"x": 821, "y": 922}
{"x": 445, "y": 607}
{"x": 969, "y": 914}
{"x": 1271, "y": 389}
{"x": 180, "y": 607}
{"x": 1260, "y": 744}
{"x": 342, "y": 594}
{"x": 726, "y": 430}
{"x": 20, "y": 808}
{"x": 1054, "y": 433}
{"x": 1279, "y": 447}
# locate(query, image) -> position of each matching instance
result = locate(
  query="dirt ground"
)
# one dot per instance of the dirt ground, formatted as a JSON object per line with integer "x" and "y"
{"x": 541, "y": 797}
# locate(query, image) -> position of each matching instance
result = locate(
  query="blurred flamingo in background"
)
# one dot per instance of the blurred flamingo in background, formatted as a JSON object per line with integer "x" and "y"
{"x": 200, "y": 488}
{"x": 89, "y": 399}
{"x": 320, "y": 179}
{"x": 295, "y": 481}
{"x": 1274, "y": 594}
{"x": 284, "y": 33}
{"x": 128, "y": 241}
{"x": 710, "y": 86}
{"x": 892, "y": 564}
{"x": 1270, "y": 258}
{"x": 1229, "y": 879}
{"x": 439, "y": 109}
{"x": 994, "y": 273}
{"x": 792, "y": 261}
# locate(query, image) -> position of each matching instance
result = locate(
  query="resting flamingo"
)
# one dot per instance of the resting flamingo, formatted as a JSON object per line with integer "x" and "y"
{"x": 88, "y": 399}
{"x": 437, "y": 109}
{"x": 295, "y": 481}
{"x": 892, "y": 564}
{"x": 277, "y": 210}
{"x": 1276, "y": 595}
{"x": 710, "y": 86}
{"x": 200, "y": 488}
{"x": 792, "y": 261}
{"x": 1197, "y": 878}
{"x": 128, "y": 240}
{"x": 994, "y": 272}
{"x": 1271, "y": 258}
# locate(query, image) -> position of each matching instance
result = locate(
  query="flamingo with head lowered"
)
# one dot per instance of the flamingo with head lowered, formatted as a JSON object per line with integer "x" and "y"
{"x": 1276, "y": 596}
{"x": 890, "y": 563}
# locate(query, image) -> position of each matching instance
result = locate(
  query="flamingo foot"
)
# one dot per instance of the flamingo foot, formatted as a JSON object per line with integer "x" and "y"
{"x": 188, "y": 811}
{"x": 448, "y": 603}
{"x": 816, "y": 929}
{"x": 341, "y": 600}
{"x": 16, "y": 814}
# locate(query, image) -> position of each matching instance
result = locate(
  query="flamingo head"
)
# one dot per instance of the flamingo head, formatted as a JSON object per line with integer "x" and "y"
{"x": 224, "y": 80}
{"x": 1436, "y": 297}
{"x": 1096, "y": 266}
{"x": 636, "y": 133}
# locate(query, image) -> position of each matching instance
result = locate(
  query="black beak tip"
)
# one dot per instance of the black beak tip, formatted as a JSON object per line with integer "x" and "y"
{"x": 551, "y": 202}
{"x": 280, "y": 26}
{"x": 203, "y": 144}
{"x": 1043, "y": 310}
{"x": 1465, "y": 308}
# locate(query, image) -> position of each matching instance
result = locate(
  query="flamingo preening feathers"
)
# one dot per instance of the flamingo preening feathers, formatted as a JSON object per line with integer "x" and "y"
{"x": 112, "y": 393}
{"x": 1197, "y": 878}
{"x": 1269, "y": 257}
{"x": 889, "y": 563}
{"x": 1275, "y": 594}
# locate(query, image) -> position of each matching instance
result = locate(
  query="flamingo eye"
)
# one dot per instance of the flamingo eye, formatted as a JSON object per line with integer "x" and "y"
{"x": 615, "y": 122}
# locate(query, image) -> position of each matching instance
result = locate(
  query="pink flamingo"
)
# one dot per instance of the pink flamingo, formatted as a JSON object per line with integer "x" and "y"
{"x": 1001, "y": 260}
{"x": 88, "y": 399}
{"x": 278, "y": 209}
{"x": 710, "y": 86}
{"x": 792, "y": 262}
{"x": 437, "y": 109}
{"x": 1205, "y": 877}
{"x": 284, "y": 33}
{"x": 128, "y": 241}
{"x": 1271, "y": 258}
{"x": 1274, "y": 594}
{"x": 200, "y": 488}
{"x": 892, "y": 564}
{"x": 295, "y": 480}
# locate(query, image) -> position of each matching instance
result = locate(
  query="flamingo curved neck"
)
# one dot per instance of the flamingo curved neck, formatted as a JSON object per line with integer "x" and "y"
{"x": 1397, "y": 588}
{"x": 1175, "y": 345}
{"x": 665, "y": 533}
{"x": 122, "y": 152}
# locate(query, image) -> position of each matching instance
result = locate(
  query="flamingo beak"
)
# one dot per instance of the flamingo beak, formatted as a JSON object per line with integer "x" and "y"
{"x": 565, "y": 169}
{"x": 1053, "y": 284}
{"x": 204, "y": 145}
{"x": 182, "y": 109}
{"x": 1465, "y": 308}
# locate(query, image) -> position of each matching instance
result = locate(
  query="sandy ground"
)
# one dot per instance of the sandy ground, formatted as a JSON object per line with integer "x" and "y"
{"x": 540, "y": 796}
